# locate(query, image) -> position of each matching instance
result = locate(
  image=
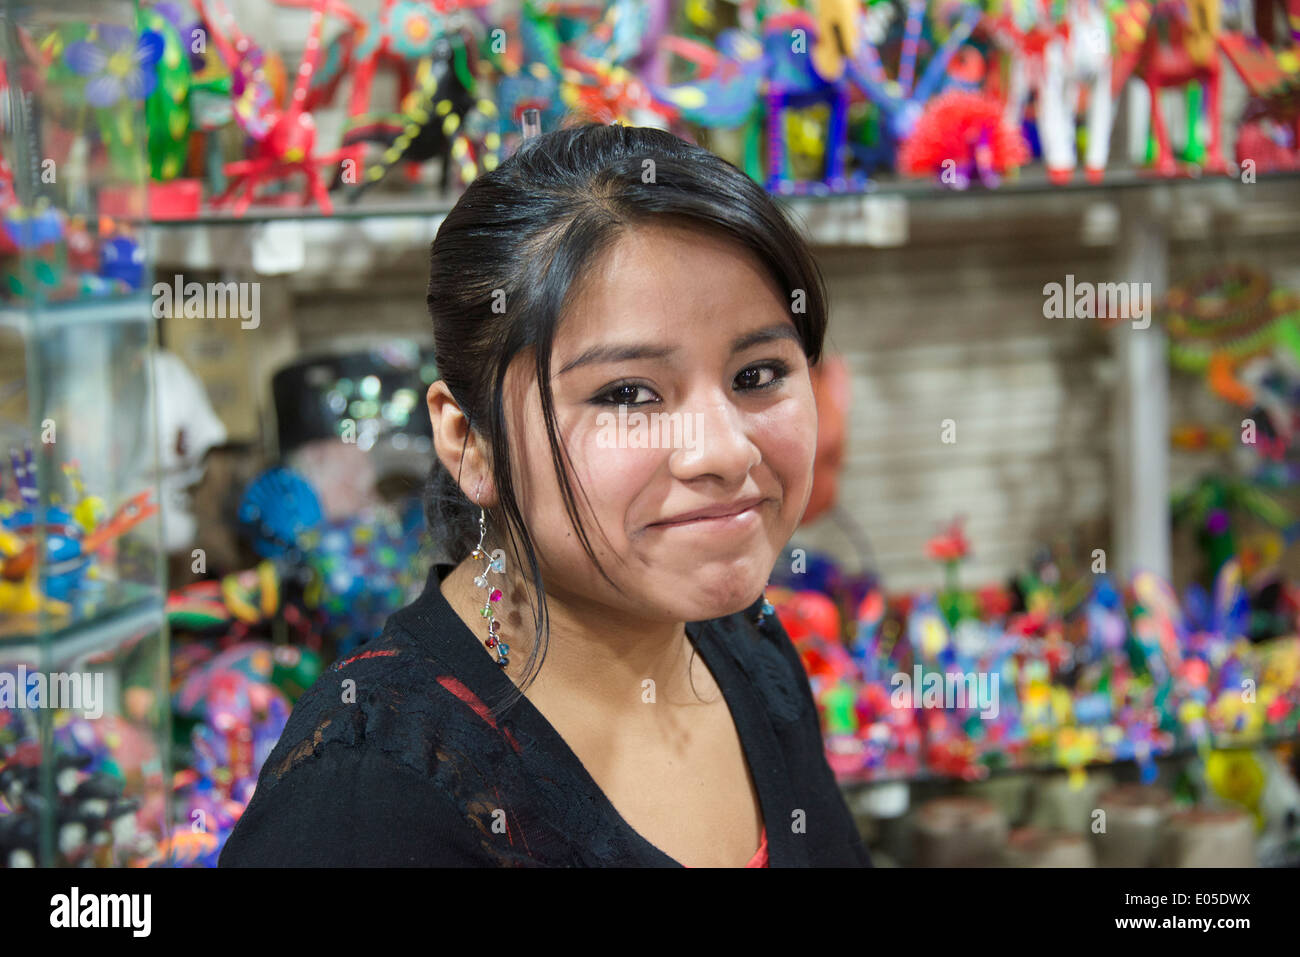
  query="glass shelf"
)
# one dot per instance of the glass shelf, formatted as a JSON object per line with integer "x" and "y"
{"x": 130, "y": 609}
{"x": 111, "y": 310}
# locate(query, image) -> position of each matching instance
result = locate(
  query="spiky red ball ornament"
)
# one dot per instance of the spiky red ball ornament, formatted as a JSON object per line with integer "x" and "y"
{"x": 961, "y": 136}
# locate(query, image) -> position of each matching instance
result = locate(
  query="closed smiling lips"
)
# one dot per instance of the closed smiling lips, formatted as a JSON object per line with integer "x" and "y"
{"x": 711, "y": 513}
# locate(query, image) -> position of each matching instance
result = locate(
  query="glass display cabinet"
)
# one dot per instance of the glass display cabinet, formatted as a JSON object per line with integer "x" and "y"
{"x": 84, "y": 717}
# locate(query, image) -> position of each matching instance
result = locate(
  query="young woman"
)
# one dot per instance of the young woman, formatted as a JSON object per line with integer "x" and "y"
{"x": 624, "y": 423}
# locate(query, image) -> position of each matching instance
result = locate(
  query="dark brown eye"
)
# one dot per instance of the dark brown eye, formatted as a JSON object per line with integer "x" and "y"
{"x": 623, "y": 394}
{"x": 751, "y": 379}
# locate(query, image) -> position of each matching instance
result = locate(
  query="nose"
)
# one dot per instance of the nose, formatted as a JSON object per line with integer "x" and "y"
{"x": 720, "y": 443}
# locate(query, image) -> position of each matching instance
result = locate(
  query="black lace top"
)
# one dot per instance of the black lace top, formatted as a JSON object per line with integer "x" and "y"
{"x": 393, "y": 758}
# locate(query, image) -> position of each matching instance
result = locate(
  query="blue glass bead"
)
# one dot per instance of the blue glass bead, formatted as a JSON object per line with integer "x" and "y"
{"x": 503, "y": 647}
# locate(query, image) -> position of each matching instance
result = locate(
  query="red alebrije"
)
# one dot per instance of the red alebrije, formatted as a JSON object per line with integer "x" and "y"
{"x": 952, "y": 126}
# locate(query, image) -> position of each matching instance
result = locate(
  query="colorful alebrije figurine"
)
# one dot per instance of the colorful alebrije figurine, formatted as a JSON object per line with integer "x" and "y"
{"x": 1056, "y": 50}
{"x": 1171, "y": 44}
{"x": 282, "y": 141}
{"x": 443, "y": 117}
{"x": 1223, "y": 318}
{"x": 903, "y": 101}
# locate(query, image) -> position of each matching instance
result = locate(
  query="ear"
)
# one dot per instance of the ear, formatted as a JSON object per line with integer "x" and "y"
{"x": 461, "y": 449}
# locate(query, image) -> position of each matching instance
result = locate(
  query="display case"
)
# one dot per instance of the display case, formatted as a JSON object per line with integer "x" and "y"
{"x": 84, "y": 716}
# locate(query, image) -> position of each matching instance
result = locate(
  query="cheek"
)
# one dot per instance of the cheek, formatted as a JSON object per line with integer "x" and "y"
{"x": 611, "y": 478}
{"x": 787, "y": 437}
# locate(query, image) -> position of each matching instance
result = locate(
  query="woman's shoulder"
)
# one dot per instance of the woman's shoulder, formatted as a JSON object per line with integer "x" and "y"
{"x": 404, "y": 693}
{"x": 375, "y": 766}
{"x": 365, "y": 699}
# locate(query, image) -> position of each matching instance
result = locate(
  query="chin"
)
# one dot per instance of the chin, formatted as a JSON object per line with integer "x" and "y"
{"x": 719, "y": 594}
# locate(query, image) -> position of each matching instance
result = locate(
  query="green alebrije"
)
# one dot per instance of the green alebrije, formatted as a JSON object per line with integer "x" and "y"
{"x": 1195, "y": 357}
{"x": 167, "y": 109}
{"x": 1197, "y": 327}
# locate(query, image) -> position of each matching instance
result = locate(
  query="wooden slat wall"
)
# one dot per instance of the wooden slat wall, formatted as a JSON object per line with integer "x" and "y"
{"x": 957, "y": 331}
{"x": 952, "y": 330}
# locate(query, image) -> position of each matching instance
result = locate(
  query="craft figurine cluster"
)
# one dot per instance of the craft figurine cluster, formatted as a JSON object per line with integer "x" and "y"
{"x": 186, "y": 113}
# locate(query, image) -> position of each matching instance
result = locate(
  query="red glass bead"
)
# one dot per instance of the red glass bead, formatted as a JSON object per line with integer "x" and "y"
{"x": 496, "y": 595}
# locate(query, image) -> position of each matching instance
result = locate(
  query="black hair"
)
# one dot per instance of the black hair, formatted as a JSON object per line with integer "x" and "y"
{"x": 509, "y": 256}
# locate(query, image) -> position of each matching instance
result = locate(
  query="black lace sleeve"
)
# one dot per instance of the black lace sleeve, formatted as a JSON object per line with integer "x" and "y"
{"x": 360, "y": 776}
{"x": 350, "y": 807}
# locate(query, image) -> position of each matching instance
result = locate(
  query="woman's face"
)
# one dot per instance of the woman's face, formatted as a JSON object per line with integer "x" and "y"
{"x": 697, "y": 343}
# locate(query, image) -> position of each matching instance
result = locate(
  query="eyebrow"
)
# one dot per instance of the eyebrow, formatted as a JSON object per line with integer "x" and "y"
{"x": 629, "y": 352}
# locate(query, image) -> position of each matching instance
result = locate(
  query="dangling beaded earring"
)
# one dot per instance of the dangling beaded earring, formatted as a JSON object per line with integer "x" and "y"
{"x": 766, "y": 610}
{"x": 497, "y": 565}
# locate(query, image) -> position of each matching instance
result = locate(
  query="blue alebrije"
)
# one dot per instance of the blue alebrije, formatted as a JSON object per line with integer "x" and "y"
{"x": 278, "y": 508}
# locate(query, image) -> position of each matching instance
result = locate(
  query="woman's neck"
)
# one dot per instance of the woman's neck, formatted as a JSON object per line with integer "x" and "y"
{"x": 594, "y": 653}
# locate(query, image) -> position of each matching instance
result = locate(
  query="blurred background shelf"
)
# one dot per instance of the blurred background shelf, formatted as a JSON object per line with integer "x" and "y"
{"x": 876, "y": 217}
{"x": 1028, "y": 183}
{"x": 137, "y": 307}
{"x": 1215, "y": 743}
{"x": 136, "y": 611}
